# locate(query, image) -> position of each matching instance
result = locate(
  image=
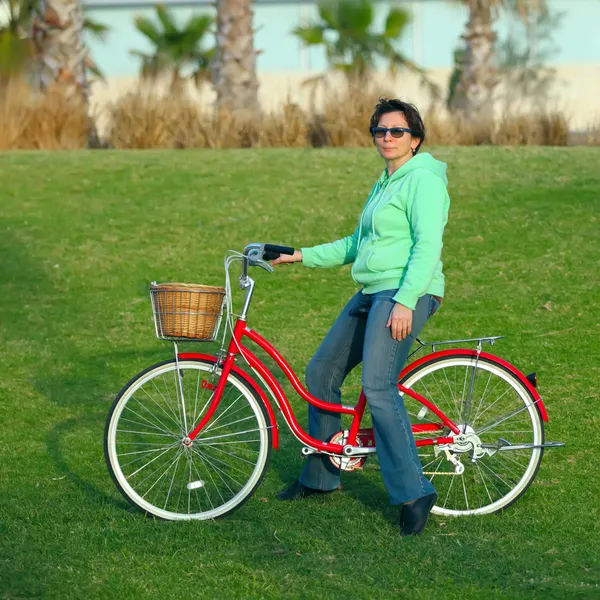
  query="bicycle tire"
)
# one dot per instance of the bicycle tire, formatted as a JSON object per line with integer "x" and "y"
{"x": 147, "y": 421}
{"x": 501, "y": 479}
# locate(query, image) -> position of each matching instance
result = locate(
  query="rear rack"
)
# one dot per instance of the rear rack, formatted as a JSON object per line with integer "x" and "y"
{"x": 491, "y": 340}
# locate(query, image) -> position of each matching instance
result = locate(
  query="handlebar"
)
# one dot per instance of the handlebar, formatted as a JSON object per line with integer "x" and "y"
{"x": 255, "y": 255}
{"x": 271, "y": 251}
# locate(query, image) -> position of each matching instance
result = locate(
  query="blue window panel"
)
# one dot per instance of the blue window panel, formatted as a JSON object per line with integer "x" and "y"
{"x": 280, "y": 49}
{"x": 577, "y": 36}
{"x": 313, "y": 58}
{"x": 438, "y": 27}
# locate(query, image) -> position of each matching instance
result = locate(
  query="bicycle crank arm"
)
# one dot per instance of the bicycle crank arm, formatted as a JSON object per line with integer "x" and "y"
{"x": 347, "y": 451}
{"x": 359, "y": 450}
{"x": 522, "y": 446}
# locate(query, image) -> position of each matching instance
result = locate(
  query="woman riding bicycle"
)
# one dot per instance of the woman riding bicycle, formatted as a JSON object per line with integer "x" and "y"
{"x": 396, "y": 251}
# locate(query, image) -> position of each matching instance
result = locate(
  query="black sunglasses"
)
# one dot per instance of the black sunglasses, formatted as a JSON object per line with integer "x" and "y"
{"x": 397, "y": 132}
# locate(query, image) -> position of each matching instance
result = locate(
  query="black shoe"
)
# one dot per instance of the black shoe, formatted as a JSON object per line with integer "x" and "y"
{"x": 297, "y": 491}
{"x": 414, "y": 515}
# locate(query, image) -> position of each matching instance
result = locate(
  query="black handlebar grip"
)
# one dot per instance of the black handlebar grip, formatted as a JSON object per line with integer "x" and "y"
{"x": 272, "y": 249}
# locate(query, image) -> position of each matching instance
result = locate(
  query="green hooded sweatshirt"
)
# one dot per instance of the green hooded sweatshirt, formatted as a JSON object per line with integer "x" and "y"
{"x": 397, "y": 243}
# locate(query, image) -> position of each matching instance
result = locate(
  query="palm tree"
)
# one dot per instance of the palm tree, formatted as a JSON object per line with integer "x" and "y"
{"x": 234, "y": 67}
{"x": 175, "y": 49}
{"x": 14, "y": 47}
{"x": 475, "y": 77}
{"x": 351, "y": 45}
{"x": 60, "y": 53}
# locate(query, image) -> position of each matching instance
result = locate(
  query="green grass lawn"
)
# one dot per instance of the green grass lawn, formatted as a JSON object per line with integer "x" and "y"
{"x": 81, "y": 237}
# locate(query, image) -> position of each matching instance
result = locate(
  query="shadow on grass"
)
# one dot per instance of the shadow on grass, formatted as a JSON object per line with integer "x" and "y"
{"x": 87, "y": 380}
{"x": 54, "y": 443}
{"x": 90, "y": 384}
{"x": 364, "y": 486}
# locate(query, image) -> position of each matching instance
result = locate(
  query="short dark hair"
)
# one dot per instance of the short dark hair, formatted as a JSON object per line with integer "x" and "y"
{"x": 410, "y": 112}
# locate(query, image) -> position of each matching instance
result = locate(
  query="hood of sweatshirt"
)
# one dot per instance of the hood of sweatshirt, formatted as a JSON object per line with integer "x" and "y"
{"x": 420, "y": 161}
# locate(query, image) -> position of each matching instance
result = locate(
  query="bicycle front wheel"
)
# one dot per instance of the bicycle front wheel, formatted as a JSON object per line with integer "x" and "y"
{"x": 484, "y": 398}
{"x": 161, "y": 475}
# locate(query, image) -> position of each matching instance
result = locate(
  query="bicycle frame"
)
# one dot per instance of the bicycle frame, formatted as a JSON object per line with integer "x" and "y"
{"x": 236, "y": 347}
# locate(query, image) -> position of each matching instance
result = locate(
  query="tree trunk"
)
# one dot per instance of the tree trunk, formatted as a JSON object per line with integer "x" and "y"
{"x": 234, "y": 65}
{"x": 60, "y": 54}
{"x": 473, "y": 94}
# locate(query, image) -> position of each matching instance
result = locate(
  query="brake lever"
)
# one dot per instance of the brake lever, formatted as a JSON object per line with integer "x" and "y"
{"x": 265, "y": 266}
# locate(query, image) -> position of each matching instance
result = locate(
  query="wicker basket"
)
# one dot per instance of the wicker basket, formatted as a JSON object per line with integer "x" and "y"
{"x": 186, "y": 311}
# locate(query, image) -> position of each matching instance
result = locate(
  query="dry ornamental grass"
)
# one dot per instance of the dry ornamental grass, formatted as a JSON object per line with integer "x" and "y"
{"x": 51, "y": 121}
{"x": 145, "y": 119}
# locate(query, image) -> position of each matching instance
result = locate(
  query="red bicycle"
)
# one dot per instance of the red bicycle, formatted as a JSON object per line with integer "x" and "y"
{"x": 191, "y": 437}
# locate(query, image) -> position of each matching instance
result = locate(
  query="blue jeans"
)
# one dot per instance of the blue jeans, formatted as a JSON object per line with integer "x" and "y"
{"x": 360, "y": 335}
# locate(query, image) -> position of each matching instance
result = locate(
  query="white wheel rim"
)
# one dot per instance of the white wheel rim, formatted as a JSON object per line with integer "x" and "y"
{"x": 531, "y": 410}
{"x": 261, "y": 430}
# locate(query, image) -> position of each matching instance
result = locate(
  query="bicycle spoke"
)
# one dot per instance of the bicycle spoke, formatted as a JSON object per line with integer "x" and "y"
{"x": 203, "y": 487}
{"x": 214, "y": 458}
{"x": 170, "y": 435}
{"x": 218, "y": 473}
{"x": 234, "y": 455}
{"x": 462, "y": 478}
{"x": 218, "y": 437}
{"x": 169, "y": 416}
{"x": 482, "y": 397}
{"x": 232, "y": 423}
{"x": 236, "y": 442}
{"x": 152, "y": 424}
{"x": 473, "y": 391}
{"x": 153, "y": 460}
{"x": 172, "y": 481}
{"x": 484, "y": 483}
{"x": 452, "y": 391}
{"x": 216, "y": 467}
{"x": 449, "y": 489}
{"x": 489, "y": 426}
{"x": 211, "y": 425}
{"x": 164, "y": 473}
{"x": 169, "y": 402}
{"x": 492, "y": 404}
{"x": 198, "y": 388}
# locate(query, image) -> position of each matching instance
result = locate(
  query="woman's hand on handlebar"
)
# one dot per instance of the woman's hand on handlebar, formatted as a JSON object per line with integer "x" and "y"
{"x": 286, "y": 258}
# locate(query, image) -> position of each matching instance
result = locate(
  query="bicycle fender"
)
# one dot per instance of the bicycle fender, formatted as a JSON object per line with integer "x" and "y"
{"x": 250, "y": 381}
{"x": 465, "y": 352}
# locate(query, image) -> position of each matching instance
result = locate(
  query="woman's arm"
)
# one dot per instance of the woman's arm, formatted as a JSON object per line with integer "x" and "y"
{"x": 332, "y": 254}
{"x": 427, "y": 214}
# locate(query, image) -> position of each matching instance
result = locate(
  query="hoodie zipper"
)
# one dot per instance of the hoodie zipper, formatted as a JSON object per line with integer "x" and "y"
{"x": 376, "y": 197}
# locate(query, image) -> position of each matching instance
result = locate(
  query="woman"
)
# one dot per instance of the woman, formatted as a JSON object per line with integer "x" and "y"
{"x": 396, "y": 251}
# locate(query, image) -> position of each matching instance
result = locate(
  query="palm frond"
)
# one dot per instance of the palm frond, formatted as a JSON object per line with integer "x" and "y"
{"x": 311, "y": 34}
{"x": 396, "y": 22}
{"x": 200, "y": 25}
{"x": 149, "y": 29}
{"x": 328, "y": 12}
{"x": 175, "y": 48}
{"x": 93, "y": 68}
{"x": 95, "y": 29}
{"x": 355, "y": 15}
{"x": 166, "y": 19}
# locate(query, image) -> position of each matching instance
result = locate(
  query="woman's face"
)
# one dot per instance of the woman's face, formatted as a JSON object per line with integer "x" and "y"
{"x": 391, "y": 148}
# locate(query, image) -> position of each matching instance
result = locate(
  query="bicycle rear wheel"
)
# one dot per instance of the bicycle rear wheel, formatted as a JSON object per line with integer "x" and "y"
{"x": 484, "y": 398}
{"x": 162, "y": 476}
